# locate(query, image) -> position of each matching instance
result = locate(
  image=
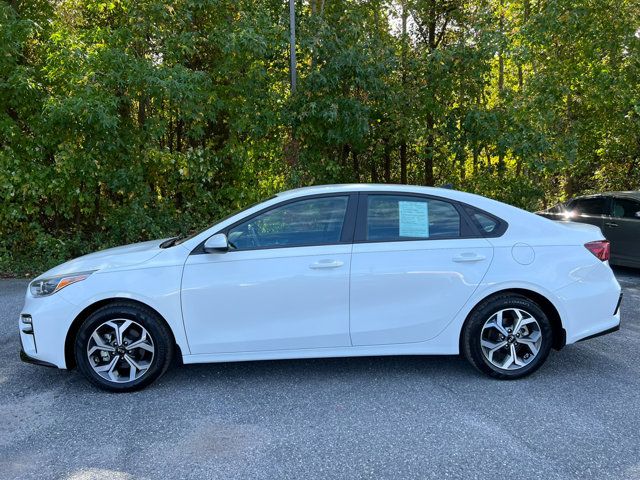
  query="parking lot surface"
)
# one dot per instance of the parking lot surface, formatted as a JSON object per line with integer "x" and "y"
{"x": 393, "y": 417}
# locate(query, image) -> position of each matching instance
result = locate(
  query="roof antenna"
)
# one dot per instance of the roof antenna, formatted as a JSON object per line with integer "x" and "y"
{"x": 448, "y": 186}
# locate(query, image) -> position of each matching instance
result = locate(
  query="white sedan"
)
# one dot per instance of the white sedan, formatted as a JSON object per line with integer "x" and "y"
{"x": 330, "y": 271}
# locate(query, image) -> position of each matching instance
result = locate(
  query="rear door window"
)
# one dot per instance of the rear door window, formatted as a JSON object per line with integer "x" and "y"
{"x": 399, "y": 217}
{"x": 626, "y": 208}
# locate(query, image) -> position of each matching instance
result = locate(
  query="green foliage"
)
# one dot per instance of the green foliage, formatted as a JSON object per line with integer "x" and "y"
{"x": 125, "y": 120}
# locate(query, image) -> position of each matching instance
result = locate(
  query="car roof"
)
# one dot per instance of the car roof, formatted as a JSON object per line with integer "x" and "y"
{"x": 626, "y": 193}
{"x": 494, "y": 207}
{"x": 363, "y": 187}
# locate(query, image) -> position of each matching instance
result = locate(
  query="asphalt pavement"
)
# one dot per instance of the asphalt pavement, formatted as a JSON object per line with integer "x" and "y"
{"x": 390, "y": 417}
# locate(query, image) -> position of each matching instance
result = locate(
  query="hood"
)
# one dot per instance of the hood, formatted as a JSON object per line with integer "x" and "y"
{"x": 116, "y": 257}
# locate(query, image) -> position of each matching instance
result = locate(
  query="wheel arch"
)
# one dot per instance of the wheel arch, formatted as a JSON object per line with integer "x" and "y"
{"x": 69, "y": 356}
{"x": 547, "y": 306}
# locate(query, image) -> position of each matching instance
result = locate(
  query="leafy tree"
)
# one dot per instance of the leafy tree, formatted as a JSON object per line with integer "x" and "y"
{"x": 124, "y": 120}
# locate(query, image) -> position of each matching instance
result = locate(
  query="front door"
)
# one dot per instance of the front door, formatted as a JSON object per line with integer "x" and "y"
{"x": 284, "y": 283}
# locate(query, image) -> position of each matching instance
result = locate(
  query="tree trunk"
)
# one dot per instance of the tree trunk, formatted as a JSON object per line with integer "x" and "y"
{"x": 345, "y": 154}
{"x": 374, "y": 171}
{"x": 403, "y": 143}
{"x": 461, "y": 157}
{"x": 170, "y": 135}
{"x": 431, "y": 123}
{"x": 428, "y": 160}
{"x": 501, "y": 165}
{"x": 179, "y": 133}
{"x": 475, "y": 159}
{"x": 527, "y": 10}
{"x": 387, "y": 163}
{"x": 142, "y": 111}
{"x": 403, "y": 162}
{"x": 356, "y": 166}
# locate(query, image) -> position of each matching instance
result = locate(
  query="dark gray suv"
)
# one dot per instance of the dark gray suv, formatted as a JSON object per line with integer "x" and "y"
{"x": 616, "y": 213}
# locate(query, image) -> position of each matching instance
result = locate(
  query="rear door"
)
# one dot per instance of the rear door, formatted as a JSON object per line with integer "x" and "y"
{"x": 622, "y": 229}
{"x": 414, "y": 265}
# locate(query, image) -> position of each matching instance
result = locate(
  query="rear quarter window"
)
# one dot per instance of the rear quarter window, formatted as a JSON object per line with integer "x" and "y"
{"x": 487, "y": 224}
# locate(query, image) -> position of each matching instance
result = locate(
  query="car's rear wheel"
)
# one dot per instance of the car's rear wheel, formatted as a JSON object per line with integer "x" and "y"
{"x": 507, "y": 337}
{"x": 123, "y": 347}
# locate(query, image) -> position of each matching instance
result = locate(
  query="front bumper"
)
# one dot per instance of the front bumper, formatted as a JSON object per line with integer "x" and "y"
{"x": 27, "y": 359}
{"x": 34, "y": 361}
{"x": 43, "y": 337}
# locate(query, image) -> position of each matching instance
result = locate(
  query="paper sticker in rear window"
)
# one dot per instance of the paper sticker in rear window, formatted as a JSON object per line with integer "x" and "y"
{"x": 414, "y": 219}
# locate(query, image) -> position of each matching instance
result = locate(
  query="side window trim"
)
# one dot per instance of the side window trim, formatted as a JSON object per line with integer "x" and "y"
{"x": 608, "y": 206}
{"x": 467, "y": 227}
{"x": 348, "y": 226}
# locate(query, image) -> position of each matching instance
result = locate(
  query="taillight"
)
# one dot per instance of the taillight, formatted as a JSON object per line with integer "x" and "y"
{"x": 601, "y": 249}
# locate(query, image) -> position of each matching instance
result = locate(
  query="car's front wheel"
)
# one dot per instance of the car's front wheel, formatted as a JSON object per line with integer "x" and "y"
{"x": 123, "y": 347}
{"x": 507, "y": 337}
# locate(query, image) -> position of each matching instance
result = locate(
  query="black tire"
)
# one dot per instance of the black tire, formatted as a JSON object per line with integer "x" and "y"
{"x": 156, "y": 327}
{"x": 472, "y": 334}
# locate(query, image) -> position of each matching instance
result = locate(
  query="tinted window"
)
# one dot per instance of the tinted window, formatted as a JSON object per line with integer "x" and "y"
{"x": 483, "y": 221}
{"x": 625, "y": 208}
{"x": 395, "y": 217}
{"x": 589, "y": 206}
{"x": 316, "y": 221}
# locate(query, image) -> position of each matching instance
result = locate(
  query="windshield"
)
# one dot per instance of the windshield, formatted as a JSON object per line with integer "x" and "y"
{"x": 183, "y": 238}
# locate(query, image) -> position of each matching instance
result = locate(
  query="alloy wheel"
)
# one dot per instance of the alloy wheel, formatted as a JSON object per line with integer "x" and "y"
{"x": 511, "y": 339}
{"x": 120, "y": 350}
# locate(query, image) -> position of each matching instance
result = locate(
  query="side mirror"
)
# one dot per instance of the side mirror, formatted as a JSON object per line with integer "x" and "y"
{"x": 216, "y": 243}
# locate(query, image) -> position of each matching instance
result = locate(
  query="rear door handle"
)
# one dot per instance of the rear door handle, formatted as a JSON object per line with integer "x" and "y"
{"x": 468, "y": 257}
{"x": 326, "y": 264}
{"x": 611, "y": 224}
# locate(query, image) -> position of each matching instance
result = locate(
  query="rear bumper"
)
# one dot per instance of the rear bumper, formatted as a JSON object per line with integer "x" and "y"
{"x": 599, "y": 334}
{"x": 606, "y": 331}
{"x": 591, "y": 307}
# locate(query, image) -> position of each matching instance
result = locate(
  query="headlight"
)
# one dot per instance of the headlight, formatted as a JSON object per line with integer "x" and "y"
{"x": 48, "y": 286}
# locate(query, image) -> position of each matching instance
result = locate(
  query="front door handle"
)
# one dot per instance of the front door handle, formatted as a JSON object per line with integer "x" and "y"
{"x": 611, "y": 224}
{"x": 468, "y": 257}
{"x": 326, "y": 264}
